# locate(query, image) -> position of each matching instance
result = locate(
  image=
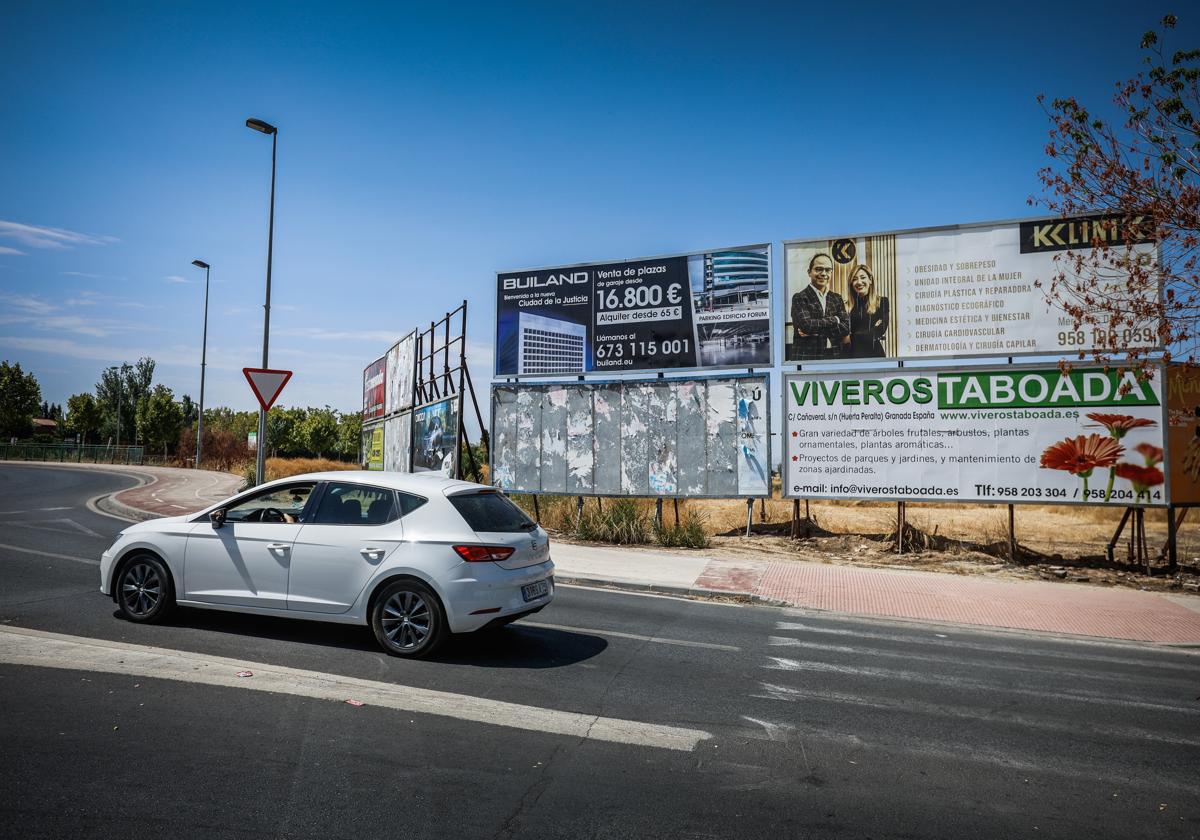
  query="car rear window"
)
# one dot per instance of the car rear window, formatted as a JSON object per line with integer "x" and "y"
{"x": 491, "y": 512}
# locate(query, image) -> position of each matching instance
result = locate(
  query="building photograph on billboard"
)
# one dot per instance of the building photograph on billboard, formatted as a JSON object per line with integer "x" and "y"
{"x": 1010, "y": 434}
{"x": 375, "y": 390}
{"x": 691, "y": 438}
{"x": 971, "y": 290}
{"x": 702, "y": 310}
{"x": 435, "y": 437}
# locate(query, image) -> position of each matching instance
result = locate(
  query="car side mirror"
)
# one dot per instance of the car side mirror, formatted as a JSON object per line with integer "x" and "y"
{"x": 217, "y": 517}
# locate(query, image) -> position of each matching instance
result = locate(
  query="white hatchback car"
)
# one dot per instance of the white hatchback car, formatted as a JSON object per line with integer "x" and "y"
{"x": 414, "y": 556}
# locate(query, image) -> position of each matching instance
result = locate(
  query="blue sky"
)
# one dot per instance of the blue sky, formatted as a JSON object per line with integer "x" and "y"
{"x": 422, "y": 148}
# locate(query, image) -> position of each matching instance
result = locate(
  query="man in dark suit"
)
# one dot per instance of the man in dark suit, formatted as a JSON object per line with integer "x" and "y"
{"x": 819, "y": 320}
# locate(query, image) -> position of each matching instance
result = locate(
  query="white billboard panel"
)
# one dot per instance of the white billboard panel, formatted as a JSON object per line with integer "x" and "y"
{"x": 1011, "y": 434}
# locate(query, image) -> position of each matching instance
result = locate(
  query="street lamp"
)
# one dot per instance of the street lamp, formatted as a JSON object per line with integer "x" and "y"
{"x": 266, "y": 128}
{"x": 203, "y": 355}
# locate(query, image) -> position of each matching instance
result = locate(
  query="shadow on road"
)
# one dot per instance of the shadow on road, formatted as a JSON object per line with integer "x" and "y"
{"x": 513, "y": 646}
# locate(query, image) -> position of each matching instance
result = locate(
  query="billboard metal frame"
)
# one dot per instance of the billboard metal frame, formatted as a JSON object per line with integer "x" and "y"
{"x": 765, "y": 377}
{"x": 1160, "y": 372}
{"x": 542, "y": 377}
{"x": 951, "y": 357}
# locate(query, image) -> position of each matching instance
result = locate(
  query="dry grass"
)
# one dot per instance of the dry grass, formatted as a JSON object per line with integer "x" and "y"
{"x": 283, "y": 467}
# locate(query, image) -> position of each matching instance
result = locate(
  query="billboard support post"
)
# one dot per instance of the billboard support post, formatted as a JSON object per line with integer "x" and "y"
{"x": 749, "y": 515}
{"x": 675, "y": 502}
{"x": 1012, "y": 535}
{"x": 900, "y": 525}
{"x": 537, "y": 513}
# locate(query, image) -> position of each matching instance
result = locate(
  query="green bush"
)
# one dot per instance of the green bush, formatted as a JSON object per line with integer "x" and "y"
{"x": 621, "y": 522}
{"x": 690, "y": 532}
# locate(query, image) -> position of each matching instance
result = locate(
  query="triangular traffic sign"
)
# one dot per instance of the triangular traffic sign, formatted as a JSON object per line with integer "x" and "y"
{"x": 266, "y": 384}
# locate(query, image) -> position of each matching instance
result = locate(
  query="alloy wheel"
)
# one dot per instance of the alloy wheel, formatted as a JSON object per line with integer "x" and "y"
{"x": 406, "y": 620}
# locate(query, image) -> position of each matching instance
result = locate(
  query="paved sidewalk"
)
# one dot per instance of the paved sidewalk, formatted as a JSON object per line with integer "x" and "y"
{"x": 1069, "y": 608}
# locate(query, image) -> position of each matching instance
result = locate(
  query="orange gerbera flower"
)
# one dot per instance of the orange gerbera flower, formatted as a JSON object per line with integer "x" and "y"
{"x": 1142, "y": 478}
{"x": 1081, "y": 455}
{"x": 1119, "y": 424}
{"x": 1150, "y": 452}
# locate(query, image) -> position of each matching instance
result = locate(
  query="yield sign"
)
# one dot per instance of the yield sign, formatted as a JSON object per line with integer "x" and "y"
{"x": 266, "y": 384}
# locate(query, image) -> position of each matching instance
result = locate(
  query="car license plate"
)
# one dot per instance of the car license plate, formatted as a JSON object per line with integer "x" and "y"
{"x": 535, "y": 590}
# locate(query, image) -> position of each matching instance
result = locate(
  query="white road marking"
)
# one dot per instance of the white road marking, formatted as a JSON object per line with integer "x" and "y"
{"x": 960, "y": 644}
{"x": 20, "y": 646}
{"x": 945, "y": 680}
{"x": 908, "y": 705}
{"x": 56, "y": 508}
{"x": 86, "y": 560}
{"x": 659, "y": 639}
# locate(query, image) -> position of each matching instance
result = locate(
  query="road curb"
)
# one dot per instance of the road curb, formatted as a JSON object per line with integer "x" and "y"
{"x": 666, "y": 589}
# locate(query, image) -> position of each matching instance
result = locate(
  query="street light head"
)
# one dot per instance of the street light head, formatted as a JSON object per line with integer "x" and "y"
{"x": 200, "y": 264}
{"x": 259, "y": 125}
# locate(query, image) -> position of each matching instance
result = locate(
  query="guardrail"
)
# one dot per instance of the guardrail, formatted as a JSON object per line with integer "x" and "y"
{"x": 69, "y": 453}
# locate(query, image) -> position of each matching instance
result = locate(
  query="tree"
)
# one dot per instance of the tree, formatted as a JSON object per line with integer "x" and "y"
{"x": 19, "y": 397}
{"x": 1142, "y": 174}
{"x": 84, "y": 415}
{"x": 123, "y": 387}
{"x": 159, "y": 418}
{"x": 319, "y": 431}
{"x": 191, "y": 412}
{"x": 349, "y": 436}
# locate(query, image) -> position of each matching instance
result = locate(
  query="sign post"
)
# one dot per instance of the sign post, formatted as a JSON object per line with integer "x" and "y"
{"x": 267, "y": 385}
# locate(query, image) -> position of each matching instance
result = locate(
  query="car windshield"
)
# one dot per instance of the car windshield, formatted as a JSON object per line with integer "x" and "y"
{"x": 492, "y": 513}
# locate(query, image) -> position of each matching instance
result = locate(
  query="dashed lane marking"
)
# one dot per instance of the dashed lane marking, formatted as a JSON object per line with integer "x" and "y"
{"x": 86, "y": 560}
{"x": 35, "y": 648}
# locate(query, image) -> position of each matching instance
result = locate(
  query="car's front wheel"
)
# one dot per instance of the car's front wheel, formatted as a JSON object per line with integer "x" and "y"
{"x": 408, "y": 620}
{"x": 144, "y": 590}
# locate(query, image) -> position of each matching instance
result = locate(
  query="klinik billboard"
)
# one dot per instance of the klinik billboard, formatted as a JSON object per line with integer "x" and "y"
{"x": 1012, "y": 434}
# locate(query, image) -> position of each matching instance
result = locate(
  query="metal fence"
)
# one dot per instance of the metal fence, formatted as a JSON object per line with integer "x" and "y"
{"x": 70, "y": 453}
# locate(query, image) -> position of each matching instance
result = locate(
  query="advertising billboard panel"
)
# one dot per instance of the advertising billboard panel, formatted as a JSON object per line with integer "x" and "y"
{"x": 1183, "y": 434}
{"x": 372, "y": 447}
{"x": 1011, "y": 434}
{"x": 435, "y": 437}
{"x": 691, "y": 438}
{"x": 401, "y": 367}
{"x": 970, "y": 290}
{"x": 374, "y": 389}
{"x": 397, "y": 443}
{"x": 703, "y": 310}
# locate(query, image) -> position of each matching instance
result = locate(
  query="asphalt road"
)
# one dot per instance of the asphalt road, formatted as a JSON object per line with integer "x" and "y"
{"x": 816, "y": 726}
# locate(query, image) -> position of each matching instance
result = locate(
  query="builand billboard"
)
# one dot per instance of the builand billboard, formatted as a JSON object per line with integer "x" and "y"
{"x": 435, "y": 437}
{"x": 375, "y": 390}
{"x": 401, "y": 368}
{"x": 703, "y": 310}
{"x": 970, "y": 290}
{"x": 677, "y": 438}
{"x": 1011, "y": 434}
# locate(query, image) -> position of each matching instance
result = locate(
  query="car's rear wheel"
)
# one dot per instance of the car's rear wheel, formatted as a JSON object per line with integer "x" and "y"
{"x": 144, "y": 590}
{"x": 408, "y": 620}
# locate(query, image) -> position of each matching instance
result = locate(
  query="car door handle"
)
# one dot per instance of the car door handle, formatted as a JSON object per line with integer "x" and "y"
{"x": 372, "y": 553}
{"x": 278, "y": 547}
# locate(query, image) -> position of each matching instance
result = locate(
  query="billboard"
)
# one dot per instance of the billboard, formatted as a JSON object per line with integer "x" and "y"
{"x": 435, "y": 437}
{"x": 703, "y": 310}
{"x": 970, "y": 290}
{"x": 1183, "y": 434}
{"x": 689, "y": 438}
{"x": 372, "y": 447}
{"x": 1010, "y": 434}
{"x": 397, "y": 443}
{"x": 401, "y": 367}
{"x": 374, "y": 389}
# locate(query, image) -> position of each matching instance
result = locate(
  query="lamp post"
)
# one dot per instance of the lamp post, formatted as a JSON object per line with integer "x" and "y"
{"x": 266, "y": 128}
{"x": 203, "y": 356}
{"x": 120, "y": 388}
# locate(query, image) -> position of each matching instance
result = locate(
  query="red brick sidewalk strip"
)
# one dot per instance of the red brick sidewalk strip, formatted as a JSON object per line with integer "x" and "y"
{"x": 1075, "y": 609}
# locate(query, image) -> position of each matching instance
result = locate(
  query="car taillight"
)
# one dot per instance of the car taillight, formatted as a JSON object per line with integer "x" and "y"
{"x": 483, "y": 553}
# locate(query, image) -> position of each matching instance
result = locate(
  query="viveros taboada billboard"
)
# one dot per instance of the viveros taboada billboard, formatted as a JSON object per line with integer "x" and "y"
{"x": 971, "y": 290}
{"x": 1012, "y": 434}
{"x": 703, "y": 310}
